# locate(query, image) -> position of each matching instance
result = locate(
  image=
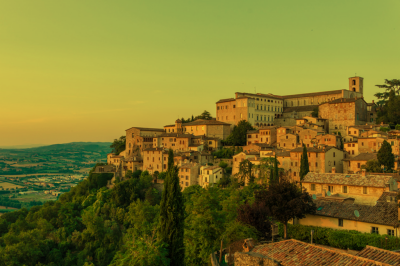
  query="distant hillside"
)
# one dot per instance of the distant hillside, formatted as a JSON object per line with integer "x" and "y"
{"x": 73, "y": 146}
{"x": 26, "y": 146}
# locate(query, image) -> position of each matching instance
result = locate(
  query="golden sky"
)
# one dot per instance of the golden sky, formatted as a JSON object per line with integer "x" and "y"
{"x": 87, "y": 70}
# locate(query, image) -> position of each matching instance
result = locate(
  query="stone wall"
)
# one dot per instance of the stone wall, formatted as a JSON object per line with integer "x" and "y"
{"x": 253, "y": 259}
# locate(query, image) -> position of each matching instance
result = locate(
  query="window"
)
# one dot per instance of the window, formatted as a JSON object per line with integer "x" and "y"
{"x": 330, "y": 189}
{"x": 358, "y": 165}
{"x": 294, "y": 173}
{"x": 365, "y": 191}
{"x": 390, "y": 232}
{"x": 340, "y": 223}
{"x": 333, "y": 154}
{"x": 374, "y": 230}
{"x": 187, "y": 184}
{"x": 313, "y": 187}
{"x": 344, "y": 189}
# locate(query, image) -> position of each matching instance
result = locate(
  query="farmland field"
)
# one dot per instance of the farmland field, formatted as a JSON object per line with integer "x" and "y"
{"x": 6, "y": 185}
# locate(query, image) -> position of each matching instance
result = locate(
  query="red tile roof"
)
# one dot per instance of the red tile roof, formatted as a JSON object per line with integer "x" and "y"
{"x": 381, "y": 255}
{"x": 348, "y": 179}
{"x": 294, "y": 252}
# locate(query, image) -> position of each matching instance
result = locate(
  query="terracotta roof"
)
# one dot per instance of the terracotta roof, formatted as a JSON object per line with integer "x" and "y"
{"x": 283, "y": 154}
{"x": 105, "y": 169}
{"x": 261, "y": 95}
{"x": 312, "y": 94}
{"x": 226, "y": 100}
{"x": 252, "y": 131}
{"x": 386, "y": 196}
{"x": 300, "y": 149}
{"x": 117, "y": 156}
{"x": 345, "y": 100}
{"x": 300, "y": 108}
{"x": 363, "y": 157}
{"x": 252, "y": 152}
{"x": 348, "y": 179}
{"x": 381, "y": 255}
{"x": 148, "y": 129}
{"x": 205, "y": 122}
{"x": 382, "y": 213}
{"x": 293, "y": 252}
{"x": 170, "y": 125}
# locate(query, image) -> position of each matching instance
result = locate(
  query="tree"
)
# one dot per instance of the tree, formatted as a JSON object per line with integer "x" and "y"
{"x": 256, "y": 215}
{"x": 341, "y": 141}
{"x": 393, "y": 108}
{"x": 286, "y": 201}
{"x": 266, "y": 169}
{"x": 172, "y": 217}
{"x": 205, "y": 115}
{"x": 170, "y": 159}
{"x": 276, "y": 172}
{"x": 304, "y": 167}
{"x": 315, "y": 112}
{"x": 245, "y": 171}
{"x": 391, "y": 85}
{"x": 118, "y": 145}
{"x": 386, "y": 156}
{"x": 239, "y": 134}
{"x": 372, "y": 166}
{"x": 389, "y": 103}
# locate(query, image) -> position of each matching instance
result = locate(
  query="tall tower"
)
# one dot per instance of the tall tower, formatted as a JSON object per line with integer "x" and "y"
{"x": 356, "y": 84}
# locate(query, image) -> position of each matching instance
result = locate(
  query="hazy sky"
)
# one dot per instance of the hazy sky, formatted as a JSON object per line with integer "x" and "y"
{"x": 87, "y": 70}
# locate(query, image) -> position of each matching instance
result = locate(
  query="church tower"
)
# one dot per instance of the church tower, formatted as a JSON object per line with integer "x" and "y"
{"x": 356, "y": 84}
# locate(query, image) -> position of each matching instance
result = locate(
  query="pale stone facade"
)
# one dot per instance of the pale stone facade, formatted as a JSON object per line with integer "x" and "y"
{"x": 210, "y": 175}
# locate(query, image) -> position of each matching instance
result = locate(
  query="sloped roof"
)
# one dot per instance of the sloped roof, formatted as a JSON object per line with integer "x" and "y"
{"x": 299, "y": 108}
{"x": 148, "y": 129}
{"x": 205, "y": 122}
{"x": 381, "y": 255}
{"x": 293, "y": 252}
{"x": 348, "y": 179}
{"x": 312, "y": 94}
{"x": 382, "y": 213}
{"x": 363, "y": 157}
{"x": 226, "y": 100}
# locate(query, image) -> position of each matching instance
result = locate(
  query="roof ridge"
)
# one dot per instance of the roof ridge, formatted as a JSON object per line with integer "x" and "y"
{"x": 336, "y": 252}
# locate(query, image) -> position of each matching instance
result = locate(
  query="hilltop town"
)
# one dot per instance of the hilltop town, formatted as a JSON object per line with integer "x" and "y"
{"x": 337, "y": 128}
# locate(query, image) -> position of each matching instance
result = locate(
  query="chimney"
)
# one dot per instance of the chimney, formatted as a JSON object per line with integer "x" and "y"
{"x": 323, "y": 193}
{"x": 334, "y": 170}
{"x": 372, "y": 101}
{"x": 363, "y": 172}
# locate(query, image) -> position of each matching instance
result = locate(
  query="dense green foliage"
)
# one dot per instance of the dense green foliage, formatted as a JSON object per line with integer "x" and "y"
{"x": 386, "y": 156}
{"x": 227, "y": 153}
{"x": 94, "y": 225}
{"x": 238, "y": 134}
{"x": 343, "y": 239}
{"x": 172, "y": 217}
{"x": 285, "y": 201}
{"x": 118, "y": 145}
{"x": 205, "y": 115}
{"x": 389, "y": 102}
{"x": 372, "y": 166}
{"x": 304, "y": 167}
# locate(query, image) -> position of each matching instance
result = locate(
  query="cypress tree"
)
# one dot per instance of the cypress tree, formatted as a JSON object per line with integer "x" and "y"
{"x": 170, "y": 159}
{"x": 386, "y": 156}
{"x": 304, "y": 167}
{"x": 275, "y": 172}
{"x": 172, "y": 218}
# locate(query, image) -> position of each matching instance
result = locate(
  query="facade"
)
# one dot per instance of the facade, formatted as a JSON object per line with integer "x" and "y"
{"x": 189, "y": 174}
{"x": 139, "y": 138}
{"x": 362, "y": 188}
{"x": 353, "y": 165}
{"x": 343, "y": 113}
{"x": 319, "y": 160}
{"x": 201, "y": 127}
{"x": 210, "y": 175}
{"x": 155, "y": 159}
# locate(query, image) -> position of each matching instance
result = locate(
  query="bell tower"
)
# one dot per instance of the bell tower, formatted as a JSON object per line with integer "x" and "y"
{"x": 356, "y": 84}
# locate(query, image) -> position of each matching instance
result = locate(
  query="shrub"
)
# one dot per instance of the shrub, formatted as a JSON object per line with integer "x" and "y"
{"x": 343, "y": 239}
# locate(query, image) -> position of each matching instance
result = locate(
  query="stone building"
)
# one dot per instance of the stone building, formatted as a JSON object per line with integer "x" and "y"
{"x": 362, "y": 188}
{"x": 139, "y": 138}
{"x": 328, "y": 140}
{"x": 210, "y": 175}
{"x": 351, "y": 148}
{"x": 265, "y": 135}
{"x": 189, "y": 174}
{"x": 268, "y": 109}
{"x": 343, "y": 113}
{"x": 319, "y": 160}
{"x": 201, "y": 127}
{"x": 353, "y": 165}
{"x": 155, "y": 159}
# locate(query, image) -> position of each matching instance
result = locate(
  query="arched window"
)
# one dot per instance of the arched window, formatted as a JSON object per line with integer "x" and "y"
{"x": 354, "y": 89}
{"x": 354, "y": 82}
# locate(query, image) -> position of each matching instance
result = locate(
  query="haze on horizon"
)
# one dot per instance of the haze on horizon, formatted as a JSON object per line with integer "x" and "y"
{"x": 88, "y": 70}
